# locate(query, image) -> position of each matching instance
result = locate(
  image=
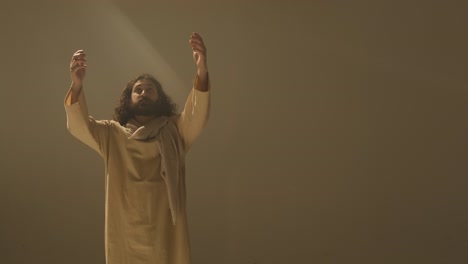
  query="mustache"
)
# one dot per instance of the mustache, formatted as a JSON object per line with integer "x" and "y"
{"x": 144, "y": 99}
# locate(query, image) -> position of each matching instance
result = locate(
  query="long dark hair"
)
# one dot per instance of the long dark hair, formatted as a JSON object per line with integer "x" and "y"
{"x": 123, "y": 113}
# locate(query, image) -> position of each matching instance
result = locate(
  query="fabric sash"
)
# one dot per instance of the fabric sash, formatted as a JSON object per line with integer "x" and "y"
{"x": 166, "y": 133}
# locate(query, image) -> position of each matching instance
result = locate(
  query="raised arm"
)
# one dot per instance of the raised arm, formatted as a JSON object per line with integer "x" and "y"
{"x": 79, "y": 123}
{"x": 196, "y": 110}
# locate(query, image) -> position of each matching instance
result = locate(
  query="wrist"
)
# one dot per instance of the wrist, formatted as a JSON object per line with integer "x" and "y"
{"x": 202, "y": 72}
{"x": 76, "y": 85}
{"x": 202, "y": 82}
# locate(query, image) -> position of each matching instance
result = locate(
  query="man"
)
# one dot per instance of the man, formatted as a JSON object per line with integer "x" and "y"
{"x": 143, "y": 151}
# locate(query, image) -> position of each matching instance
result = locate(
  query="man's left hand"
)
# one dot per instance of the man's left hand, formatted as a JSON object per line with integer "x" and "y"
{"x": 199, "y": 52}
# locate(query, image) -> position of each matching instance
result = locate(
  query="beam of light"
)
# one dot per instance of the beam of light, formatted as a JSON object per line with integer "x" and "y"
{"x": 129, "y": 52}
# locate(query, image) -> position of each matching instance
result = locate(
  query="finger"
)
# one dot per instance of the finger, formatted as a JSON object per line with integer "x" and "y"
{"x": 77, "y": 65}
{"x": 79, "y": 56}
{"x": 79, "y": 51}
{"x": 77, "y": 61}
{"x": 197, "y": 44}
{"x": 76, "y": 55}
{"x": 80, "y": 60}
{"x": 196, "y": 34}
{"x": 196, "y": 39}
{"x": 199, "y": 47}
{"x": 77, "y": 68}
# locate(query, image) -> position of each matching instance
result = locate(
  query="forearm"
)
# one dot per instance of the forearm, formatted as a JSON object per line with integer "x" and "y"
{"x": 203, "y": 81}
{"x": 75, "y": 90}
{"x": 196, "y": 110}
{"x": 80, "y": 124}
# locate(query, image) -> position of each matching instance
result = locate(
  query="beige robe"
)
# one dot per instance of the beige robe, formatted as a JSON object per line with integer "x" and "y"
{"x": 138, "y": 221}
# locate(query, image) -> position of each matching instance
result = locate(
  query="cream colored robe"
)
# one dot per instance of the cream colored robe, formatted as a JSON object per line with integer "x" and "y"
{"x": 138, "y": 221}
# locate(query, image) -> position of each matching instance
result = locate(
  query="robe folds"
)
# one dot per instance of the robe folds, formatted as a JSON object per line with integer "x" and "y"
{"x": 139, "y": 227}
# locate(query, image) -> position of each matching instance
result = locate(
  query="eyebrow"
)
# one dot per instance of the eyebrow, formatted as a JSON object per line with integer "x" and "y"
{"x": 146, "y": 84}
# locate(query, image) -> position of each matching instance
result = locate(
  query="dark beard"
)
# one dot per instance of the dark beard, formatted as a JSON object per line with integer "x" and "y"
{"x": 146, "y": 107}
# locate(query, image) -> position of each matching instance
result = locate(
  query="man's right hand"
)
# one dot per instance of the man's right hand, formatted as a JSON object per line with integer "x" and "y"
{"x": 78, "y": 68}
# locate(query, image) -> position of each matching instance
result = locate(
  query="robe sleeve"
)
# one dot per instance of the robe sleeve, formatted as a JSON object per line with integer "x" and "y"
{"x": 196, "y": 112}
{"x": 85, "y": 128}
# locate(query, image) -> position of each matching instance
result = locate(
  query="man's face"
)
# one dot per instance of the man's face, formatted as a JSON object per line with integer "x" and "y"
{"x": 144, "y": 98}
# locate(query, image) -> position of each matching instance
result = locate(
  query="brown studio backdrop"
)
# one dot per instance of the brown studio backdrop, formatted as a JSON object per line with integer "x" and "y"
{"x": 337, "y": 135}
